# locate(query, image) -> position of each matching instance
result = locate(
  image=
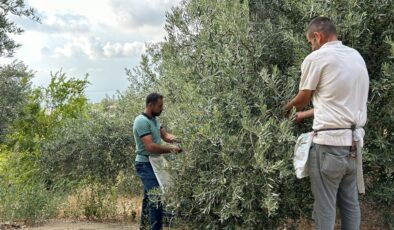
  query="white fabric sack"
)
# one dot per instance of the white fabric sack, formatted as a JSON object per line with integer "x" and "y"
{"x": 301, "y": 153}
{"x": 158, "y": 163}
{"x": 358, "y": 137}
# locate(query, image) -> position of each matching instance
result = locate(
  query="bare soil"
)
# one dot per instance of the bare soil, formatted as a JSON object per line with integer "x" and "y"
{"x": 371, "y": 219}
{"x": 59, "y": 224}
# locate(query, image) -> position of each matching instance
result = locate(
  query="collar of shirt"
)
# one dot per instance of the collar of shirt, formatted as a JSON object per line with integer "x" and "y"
{"x": 146, "y": 115}
{"x": 332, "y": 44}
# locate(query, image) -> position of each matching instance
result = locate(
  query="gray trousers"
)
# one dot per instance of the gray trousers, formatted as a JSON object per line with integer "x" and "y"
{"x": 333, "y": 180}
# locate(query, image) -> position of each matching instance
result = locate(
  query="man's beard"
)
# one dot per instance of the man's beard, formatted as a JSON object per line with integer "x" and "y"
{"x": 156, "y": 114}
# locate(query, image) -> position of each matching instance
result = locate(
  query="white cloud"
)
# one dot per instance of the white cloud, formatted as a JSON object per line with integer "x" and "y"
{"x": 94, "y": 48}
{"x": 91, "y": 47}
{"x": 81, "y": 46}
{"x": 127, "y": 49}
{"x": 111, "y": 50}
{"x": 68, "y": 50}
{"x": 100, "y": 37}
{"x": 131, "y": 14}
{"x": 94, "y": 10}
{"x": 65, "y": 22}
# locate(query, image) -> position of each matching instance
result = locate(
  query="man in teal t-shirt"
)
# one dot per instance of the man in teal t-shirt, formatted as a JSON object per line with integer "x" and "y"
{"x": 148, "y": 134}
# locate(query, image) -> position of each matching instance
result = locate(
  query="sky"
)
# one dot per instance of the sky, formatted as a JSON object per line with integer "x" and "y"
{"x": 96, "y": 37}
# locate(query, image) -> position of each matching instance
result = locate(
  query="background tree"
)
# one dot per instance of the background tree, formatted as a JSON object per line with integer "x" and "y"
{"x": 8, "y": 27}
{"x": 15, "y": 87}
{"x": 226, "y": 69}
{"x": 26, "y": 190}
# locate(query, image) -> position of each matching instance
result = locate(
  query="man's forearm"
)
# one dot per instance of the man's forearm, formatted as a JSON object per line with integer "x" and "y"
{"x": 300, "y": 116}
{"x": 308, "y": 114}
{"x": 297, "y": 103}
{"x": 169, "y": 138}
{"x": 156, "y": 148}
{"x": 300, "y": 101}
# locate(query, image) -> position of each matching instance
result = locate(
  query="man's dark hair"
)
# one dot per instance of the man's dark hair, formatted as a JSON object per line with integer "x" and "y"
{"x": 153, "y": 98}
{"x": 321, "y": 24}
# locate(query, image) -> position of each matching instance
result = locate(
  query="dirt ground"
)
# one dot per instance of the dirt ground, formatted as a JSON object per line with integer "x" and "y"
{"x": 79, "y": 225}
{"x": 372, "y": 219}
{"x": 74, "y": 225}
{"x": 61, "y": 224}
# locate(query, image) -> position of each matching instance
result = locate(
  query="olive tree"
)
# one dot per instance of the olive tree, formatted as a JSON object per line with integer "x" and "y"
{"x": 226, "y": 68}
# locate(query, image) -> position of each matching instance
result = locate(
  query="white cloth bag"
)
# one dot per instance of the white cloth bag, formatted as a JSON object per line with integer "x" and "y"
{"x": 159, "y": 163}
{"x": 301, "y": 153}
{"x": 358, "y": 137}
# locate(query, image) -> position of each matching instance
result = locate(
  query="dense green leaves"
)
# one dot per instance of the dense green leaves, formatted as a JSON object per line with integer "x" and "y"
{"x": 14, "y": 88}
{"x": 36, "y": 123}
{"x": 8, "y": 27}
{"x": 226, "y": 69}
{"x": 96, "y": 149}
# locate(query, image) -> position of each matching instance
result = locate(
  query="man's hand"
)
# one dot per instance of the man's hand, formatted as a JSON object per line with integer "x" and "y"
{"x": 175, "y": 149}
{"x": 298, "y": 118}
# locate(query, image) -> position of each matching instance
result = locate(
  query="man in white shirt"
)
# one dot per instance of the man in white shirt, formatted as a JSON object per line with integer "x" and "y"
{"x": 335, "y": 78}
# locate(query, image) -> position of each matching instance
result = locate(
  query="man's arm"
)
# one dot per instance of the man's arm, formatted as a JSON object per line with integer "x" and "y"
{"x": 300, "y": 101}
{"x": 166, "y": 136}
{"x": 300, "y": 116}
{"x": 152, "y": 147}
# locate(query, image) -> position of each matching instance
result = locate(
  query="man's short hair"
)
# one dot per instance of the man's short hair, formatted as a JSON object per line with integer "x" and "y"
{"x": 153, "y": 98}
{"x": 321, "y": 24}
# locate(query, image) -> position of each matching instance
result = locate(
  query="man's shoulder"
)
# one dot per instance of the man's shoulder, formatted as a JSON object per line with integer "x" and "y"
{"x": 141, "y": 119}
{"x": 314, "y": 56}
{"x": 349, "y": 49}
{"x": 329, "y": 52}
{"x": 352, "y": 55}
{"x": 311, "y": 59}
{"x": 354, "y": 52}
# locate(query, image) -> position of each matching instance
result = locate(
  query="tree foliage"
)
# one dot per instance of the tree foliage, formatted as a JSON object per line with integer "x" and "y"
{"x": 8, "y": 27}
{"x": 226, "y": 68}
{"x": 36, "y": 123}
{"x": 96, "y": 149}
{"x": 15, "y": 88}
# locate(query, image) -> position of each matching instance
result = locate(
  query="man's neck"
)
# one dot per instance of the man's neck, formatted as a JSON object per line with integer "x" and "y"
{"x": 332, "y": 38}
{"x": 148, "y": 113}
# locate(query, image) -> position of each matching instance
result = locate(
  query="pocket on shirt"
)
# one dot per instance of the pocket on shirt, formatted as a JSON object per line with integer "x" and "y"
{"x": 333, "y": 166}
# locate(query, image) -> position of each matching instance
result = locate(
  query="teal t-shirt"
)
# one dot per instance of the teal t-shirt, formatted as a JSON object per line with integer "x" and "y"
{"x": 144, "y": 125}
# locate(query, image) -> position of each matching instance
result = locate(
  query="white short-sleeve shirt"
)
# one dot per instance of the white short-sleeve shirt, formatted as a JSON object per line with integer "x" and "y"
{"x": 339, "y": 78}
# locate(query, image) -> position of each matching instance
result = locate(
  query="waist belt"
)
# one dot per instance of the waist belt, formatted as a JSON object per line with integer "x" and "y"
{"x": 353, "y": 127}
{"x": 353, "y": 148}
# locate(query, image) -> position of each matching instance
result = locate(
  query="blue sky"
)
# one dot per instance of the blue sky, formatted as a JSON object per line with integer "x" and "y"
{"x": 96, "y": 37}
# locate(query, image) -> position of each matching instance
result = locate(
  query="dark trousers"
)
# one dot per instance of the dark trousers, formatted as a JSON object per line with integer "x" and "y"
{"x": 151, "y": 206}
